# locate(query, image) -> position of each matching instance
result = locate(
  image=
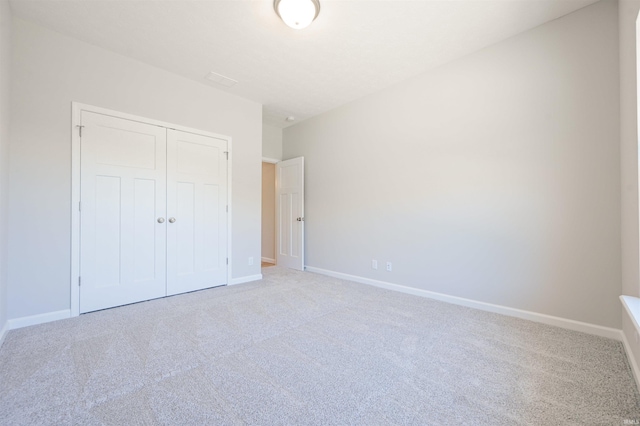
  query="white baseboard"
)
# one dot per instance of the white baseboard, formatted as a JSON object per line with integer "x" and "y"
{"x": 3, "y": 332}
{"x": 598, "y": 330}
{"x": 268, "y": 260}
{"x": 631, "y": 358}
{"x": 12, "y": 324}
{"x": 247, "y": 279}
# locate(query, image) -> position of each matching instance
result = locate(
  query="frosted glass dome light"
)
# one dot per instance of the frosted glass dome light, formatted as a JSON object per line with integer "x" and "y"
{"x": 297, "y": 14}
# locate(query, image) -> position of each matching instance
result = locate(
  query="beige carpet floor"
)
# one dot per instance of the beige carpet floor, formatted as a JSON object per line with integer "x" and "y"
{"x": 300, "y": 348}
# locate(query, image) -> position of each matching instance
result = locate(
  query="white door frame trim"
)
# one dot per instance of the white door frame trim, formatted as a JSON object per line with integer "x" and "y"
{"x": 76, "y": 111}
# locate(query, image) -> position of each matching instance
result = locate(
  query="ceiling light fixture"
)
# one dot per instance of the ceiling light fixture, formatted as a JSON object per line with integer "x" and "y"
{"x": 297, "y": 14}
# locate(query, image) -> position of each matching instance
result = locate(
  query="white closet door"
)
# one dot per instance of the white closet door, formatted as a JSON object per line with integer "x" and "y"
{"x": 290, "y": 213}
{"x": 123, "y": 194}
{"x": 197, "y": 210}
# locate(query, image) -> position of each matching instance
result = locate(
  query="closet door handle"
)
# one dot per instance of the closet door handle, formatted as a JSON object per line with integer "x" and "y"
{"x": 172, "y": 219}
{"x": 161, "y": 220}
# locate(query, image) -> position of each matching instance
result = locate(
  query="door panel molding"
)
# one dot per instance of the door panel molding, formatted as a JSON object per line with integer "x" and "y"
{"x": 76, "y": 129}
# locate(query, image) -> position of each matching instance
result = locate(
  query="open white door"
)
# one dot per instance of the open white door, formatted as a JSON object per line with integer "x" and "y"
{"x": 290, "y": 213}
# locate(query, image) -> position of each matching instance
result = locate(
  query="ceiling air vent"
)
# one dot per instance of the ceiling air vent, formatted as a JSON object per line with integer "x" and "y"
{"x": 220, "y": 79}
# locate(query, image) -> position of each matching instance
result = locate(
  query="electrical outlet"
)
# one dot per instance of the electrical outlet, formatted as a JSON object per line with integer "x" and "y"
{"x": 250, "y": 261}
{"x": 389, "y": 266}
{"x": 374, "y": 264}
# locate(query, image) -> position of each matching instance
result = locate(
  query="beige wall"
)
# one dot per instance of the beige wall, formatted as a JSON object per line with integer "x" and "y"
{"x": 269, "y": 211}
{"x": 5, "y": 60}
{"x": 51, "y": 71}
{"x": 494, "y": 178}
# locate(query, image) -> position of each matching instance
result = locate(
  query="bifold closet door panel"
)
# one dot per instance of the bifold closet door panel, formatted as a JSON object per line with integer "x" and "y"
{"x": 197, "y": 212}
{"x": 122, "y": 202}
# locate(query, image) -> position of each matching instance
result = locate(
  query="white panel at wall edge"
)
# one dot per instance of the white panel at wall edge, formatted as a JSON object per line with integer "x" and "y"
{"x": 632, "y": 360}
{"x": 15, "y": 323}
{"x": 3, "y": 333}
{"x": 247, "y": 279}
{"x": 583, "y": 327}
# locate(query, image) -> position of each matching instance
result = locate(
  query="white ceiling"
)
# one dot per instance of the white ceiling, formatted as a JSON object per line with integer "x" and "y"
{"x": 354, "y": 48}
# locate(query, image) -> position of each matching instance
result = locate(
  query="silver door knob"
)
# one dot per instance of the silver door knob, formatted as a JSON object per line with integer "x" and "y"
{"x": 172, "y": 219}
{"x": 161, "y": 220}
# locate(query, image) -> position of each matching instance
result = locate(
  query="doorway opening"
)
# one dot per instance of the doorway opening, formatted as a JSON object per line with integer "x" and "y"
{"x": 268, "y": 214}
